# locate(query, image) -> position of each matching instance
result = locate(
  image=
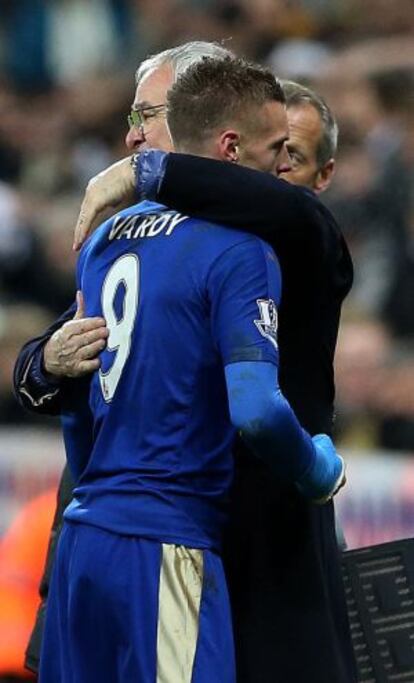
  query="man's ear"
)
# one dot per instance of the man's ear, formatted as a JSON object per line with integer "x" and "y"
{"x": 229, "y": 145}
{"x": 324, "y": 176}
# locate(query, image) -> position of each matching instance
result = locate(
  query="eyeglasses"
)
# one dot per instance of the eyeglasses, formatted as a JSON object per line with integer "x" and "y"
{"x": 139, "y": 117}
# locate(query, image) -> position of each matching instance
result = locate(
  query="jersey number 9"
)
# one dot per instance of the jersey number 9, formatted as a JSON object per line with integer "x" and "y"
{"x": 126, "y": 271}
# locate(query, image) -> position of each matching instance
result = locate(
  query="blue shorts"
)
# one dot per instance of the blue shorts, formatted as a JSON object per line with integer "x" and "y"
{"x": 130, "y": 610}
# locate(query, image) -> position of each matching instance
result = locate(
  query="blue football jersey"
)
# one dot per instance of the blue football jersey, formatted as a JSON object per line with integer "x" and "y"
{"x": 182, "y": 298}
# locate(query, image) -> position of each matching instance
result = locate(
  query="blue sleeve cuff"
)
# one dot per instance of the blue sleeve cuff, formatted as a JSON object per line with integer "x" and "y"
{"x": 324, "y": 473}
{"x": 149, "y": 173}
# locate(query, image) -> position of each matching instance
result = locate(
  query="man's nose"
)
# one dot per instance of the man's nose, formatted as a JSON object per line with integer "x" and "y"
{"x": 284, "y": 164}
{"x": 134, "y": 138}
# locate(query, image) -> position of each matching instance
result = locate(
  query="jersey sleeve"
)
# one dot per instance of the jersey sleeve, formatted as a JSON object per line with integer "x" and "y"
{"x": 244, "y": 288}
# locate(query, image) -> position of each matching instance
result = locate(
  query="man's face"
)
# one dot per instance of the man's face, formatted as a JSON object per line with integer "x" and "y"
{"x": 151, "y": 92}
{"x": 305, "y": 130}
{"x": 264, "y": 148}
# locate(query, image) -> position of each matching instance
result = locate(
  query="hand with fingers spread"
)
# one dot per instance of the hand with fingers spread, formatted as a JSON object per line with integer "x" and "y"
{"x": 72, "y": 351}
{"x": 108, "y": 189}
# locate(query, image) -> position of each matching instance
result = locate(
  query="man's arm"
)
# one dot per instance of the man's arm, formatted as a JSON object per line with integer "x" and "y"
{"x": 68, "y": 348}
{"x": 220, "y": 192}
{"x": 33, "y": 388}
{"x": 286, "y": 215}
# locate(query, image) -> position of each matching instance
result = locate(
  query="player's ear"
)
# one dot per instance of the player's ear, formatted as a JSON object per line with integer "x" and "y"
{"x": 229, "y": 145}
{"x": 324, "y": 176}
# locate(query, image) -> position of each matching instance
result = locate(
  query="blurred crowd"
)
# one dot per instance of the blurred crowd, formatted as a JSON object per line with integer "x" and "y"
{"x": 66, "y": 85}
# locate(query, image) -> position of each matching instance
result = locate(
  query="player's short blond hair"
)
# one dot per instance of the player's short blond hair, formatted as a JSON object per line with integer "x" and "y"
{"x": 215, "y": 92}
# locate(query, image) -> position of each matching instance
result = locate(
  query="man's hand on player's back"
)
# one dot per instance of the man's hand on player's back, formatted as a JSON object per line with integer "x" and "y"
{"x": 72, "y": 350}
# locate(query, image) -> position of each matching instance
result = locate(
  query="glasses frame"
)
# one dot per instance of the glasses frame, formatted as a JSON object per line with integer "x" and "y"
{"x": 136, "y": 116}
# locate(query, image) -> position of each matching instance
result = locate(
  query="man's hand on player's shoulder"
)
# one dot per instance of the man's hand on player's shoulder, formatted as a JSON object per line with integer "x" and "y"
{"x": 72, "y": 351}
{"x": 109, "y": 189}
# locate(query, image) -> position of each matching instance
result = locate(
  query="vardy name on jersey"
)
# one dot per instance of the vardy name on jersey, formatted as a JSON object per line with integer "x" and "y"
{"x": 134, "y": 227}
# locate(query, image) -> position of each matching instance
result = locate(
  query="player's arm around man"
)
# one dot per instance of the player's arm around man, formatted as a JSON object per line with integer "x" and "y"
{"x": 258, "y": 409}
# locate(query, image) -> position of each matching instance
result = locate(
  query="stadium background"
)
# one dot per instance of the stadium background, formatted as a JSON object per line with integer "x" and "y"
{"x": 66, "y": 85}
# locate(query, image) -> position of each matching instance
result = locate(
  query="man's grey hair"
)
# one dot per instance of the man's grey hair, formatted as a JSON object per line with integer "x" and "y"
{"x": 181, "y": 57}
{"x": 298, "y": 94}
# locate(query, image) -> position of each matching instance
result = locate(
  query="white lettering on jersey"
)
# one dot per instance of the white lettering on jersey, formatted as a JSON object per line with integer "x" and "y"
{"x": 176, "y": 219}
{"x": 143, "y": 225}
{"x": 267, "y": 325}
{"x": 134, "y": 227}
{"x": 117, "y": 226}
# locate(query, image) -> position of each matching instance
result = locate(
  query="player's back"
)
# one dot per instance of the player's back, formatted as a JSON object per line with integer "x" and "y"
{"x": 161, "y": 463}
